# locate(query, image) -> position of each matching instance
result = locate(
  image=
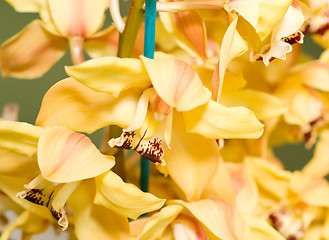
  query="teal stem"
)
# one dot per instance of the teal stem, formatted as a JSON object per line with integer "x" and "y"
{"x": 149, "y": 45}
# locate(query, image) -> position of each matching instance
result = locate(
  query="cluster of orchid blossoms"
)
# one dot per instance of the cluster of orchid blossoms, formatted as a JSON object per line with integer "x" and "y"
{"x": 228, "y": 82}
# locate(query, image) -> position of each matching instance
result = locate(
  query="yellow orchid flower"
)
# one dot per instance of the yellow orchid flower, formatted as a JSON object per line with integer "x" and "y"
{"x": 299, "y": 206}
{"x": 33, "y": 51}
{"x": 65, "y": 159}
{"x": 171, "y": 100}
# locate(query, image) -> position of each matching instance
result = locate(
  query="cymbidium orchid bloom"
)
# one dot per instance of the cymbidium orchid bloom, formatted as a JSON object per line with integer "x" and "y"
{"x": 174, "y": 111}
{"x": 68, "y": 161}
{"x": 64, "y": 24}
{"x": 299, "y": 210}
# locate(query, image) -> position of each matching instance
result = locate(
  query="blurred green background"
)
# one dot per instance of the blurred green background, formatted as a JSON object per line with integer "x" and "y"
{"x": 28, "y": 93}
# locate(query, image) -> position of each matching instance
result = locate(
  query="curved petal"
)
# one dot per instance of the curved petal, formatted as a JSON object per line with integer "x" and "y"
{"x": 216, "y": 121}
{"x": 264, "y": 105}
{"x": 260, "y": 229}
{"x": 79, "y": 108}
{"x": 158, "y": 222}
{"x": 176, "y": 83}
{"x": 318, "y": 165}
{"x": 93, "y": 221}
{"x": 219, "y": 217}
{"x": 19, "y": 137}
{"x": 124, "y": 198}
{"x": 27, "y": 6}
{"x": 188, "y": 29}
{"x": 232, "y": 46}
{"x": 191, "y": 155}
{"x": 31, "y": 52}
{"x": 315, "y": 75}
{"x": 66, "y": 156}
{"x": 111, "y": 74}
{"x": 77, "y": 17}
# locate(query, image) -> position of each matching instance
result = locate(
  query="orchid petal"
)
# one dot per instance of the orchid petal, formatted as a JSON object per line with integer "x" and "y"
{"x": 219, "y": 217}
{"x": 77, "y": 17}
{"x": 93, "y": 221}
{"x": 158, "y": 222}
{"x": 27, "y": 6}
{"x": 31, "y": 52}
{"x": 216, "y": 121}
{"x": 11, "y": 186}
{"x": 192, "y": 155}
{"x": 17, "y": 165}
{"x": 260, "y": 229}
{"x": 312, "y": 190}
{"x": 318, "y": 165}
{"x": 176, "y": 83}
{"x": 19, "y": 137}
{"x": 77, "y": 107}
{"x": 106, "y": 74}
{"x": 124, "y": 198}
{"x": 264, "y": 105}
{"x": 315, "y": 75}
{"x": 232, "y": 46}
{"x": 66, "y": 156}
{"x": 269, "y": 176}
{"x": 189, "y": 30}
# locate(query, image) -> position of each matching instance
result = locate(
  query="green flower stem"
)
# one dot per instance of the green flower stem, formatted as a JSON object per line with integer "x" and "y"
{"x": 149, "y": 44}
{"x": 128, "y": 37}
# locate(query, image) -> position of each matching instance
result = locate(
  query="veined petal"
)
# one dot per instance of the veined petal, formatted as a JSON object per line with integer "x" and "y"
{"x": 158, "y": 222}
{"x": 11, "y": 186}
{"x": 191, "y": 155}
{"x": 79, "y": 108}
{"x": 216, "y": 121}
{"x": 264, "y": 105}
{"x": 66, "y": 156}
{"x": 93, "y": 221}
{"x": 77, "y": 17}
{"x": 188, "y": 29}
{"x": 19, "y": 137}
{"x": 124, "y": 198}
{"x": 189, "y": 228}
{"x": 31, "y": 52}
{"x": 111, "y": 74}
{"x": 219, "y": 217}
{"x": 176, "y": 83}
{"x": 318, "y": 165}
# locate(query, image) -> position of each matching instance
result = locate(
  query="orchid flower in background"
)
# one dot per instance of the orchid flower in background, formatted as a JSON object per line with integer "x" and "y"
{"x": 64, "y": 24}
{"x": 72, "y": 158}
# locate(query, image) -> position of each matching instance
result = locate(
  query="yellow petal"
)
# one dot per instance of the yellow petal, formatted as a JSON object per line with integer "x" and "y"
{"x": 264, "y": 105}
{"x": 79, "y": 108}
{"x": 315, "y": 75}
{"x": 219, "y": 217}
{"x": 93, "y": 221}
{"x": 312, "y": 190}
{"x": 189, "y": 30}
{"x": 260, "y": 229}
{"x": 66, "y": 156}
{"x": 27, "y": 6}
{"x": 12, "y": 185}
{"x": 77, "y": 17}
{"x": 192, "y": 155}
{"x": 269, "y": 177}
{"x": 111, "y": 74}
{"x": 124, "y": 198}
{"x": 216, "y": 121}
{"x": 158, "y": 222}
{"x": 31, "y": 52}
{"x": 14, "y": 164}
{"x": 232, "y": 46}
{"x": 176, "y": 83}
{"x": 103, "y": 44}
{"x": 19, "y": 137}
{"x": 318, "y": 165}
